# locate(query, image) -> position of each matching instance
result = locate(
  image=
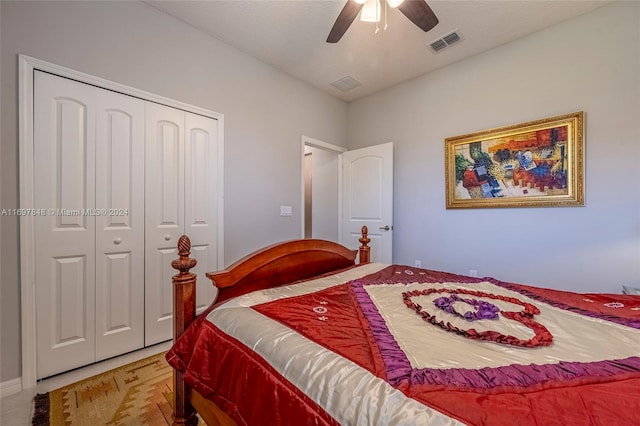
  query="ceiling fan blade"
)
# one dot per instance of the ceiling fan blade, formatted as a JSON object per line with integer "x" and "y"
{"x": 419, "y": 13}
{"x": 342, "y": 24}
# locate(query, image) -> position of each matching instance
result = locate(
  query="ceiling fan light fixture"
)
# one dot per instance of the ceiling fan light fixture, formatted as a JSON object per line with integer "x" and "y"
{"x": 417, "y": 11}
{"x": 394, "y": 3}
{"x": 370, "y": 11}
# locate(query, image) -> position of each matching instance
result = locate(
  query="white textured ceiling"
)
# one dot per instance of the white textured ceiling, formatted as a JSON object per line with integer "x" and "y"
{"x": 290, "y": 35}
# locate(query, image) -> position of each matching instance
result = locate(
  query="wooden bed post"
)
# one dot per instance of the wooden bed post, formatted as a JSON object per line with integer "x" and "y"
{"x": 364, "y": 249}
{"x": 184, "y": 312}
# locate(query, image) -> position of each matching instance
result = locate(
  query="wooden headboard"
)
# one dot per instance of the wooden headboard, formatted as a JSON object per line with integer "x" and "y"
{"x": 273, "y": 266}
{"x": 280, "y": 264}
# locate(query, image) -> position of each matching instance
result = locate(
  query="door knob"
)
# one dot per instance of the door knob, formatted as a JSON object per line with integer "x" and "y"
{"x": 385, "y": 228}
{"x": 167, "y": 237}
{"x": 117, "y": 241}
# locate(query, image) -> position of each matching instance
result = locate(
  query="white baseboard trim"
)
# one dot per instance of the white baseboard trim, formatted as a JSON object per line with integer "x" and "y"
{"x": 10, "y": 387}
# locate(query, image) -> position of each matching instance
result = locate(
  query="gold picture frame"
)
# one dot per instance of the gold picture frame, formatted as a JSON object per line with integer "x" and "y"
{"x": 534, "y": 164}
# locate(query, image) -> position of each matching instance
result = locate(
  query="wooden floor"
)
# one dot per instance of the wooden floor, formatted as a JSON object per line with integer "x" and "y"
{"x": 17, "y": 408}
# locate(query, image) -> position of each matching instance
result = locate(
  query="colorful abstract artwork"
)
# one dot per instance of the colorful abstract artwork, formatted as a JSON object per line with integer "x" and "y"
{"x": 539, "y": 163}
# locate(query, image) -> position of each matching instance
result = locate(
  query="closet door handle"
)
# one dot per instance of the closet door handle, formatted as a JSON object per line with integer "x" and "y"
{"x": 117, "y": 241}
{"x": 167, "y": 237}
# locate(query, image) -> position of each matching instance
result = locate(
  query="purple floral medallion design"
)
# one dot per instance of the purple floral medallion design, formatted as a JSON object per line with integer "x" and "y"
{"x": 484, "y": 310}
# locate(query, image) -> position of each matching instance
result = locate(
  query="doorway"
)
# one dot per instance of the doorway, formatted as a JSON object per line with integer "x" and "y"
{"x": 320, "y": 189}
{"x": 343, "y": 190}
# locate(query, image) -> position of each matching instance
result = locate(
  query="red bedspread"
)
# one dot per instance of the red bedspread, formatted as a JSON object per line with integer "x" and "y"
{"x": 239, "y": 381}
{"x": 252, "y": 392}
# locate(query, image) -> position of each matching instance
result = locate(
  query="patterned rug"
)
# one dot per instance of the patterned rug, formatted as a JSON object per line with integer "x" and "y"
{"x": 134, "y": 394}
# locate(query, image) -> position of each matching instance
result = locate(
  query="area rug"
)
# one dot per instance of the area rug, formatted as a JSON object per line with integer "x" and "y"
{"x": 134, "y": 394}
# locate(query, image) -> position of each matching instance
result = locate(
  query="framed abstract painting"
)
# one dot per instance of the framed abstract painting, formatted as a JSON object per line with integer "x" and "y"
{"x": 534, "y": 164}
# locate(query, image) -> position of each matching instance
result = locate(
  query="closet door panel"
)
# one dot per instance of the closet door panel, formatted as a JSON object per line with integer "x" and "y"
{"x": 164, "y": 215}
{"x": 205, "y": 290}
{"x": 64, "y": 170}
{"x": 120, "y": 224}
{"x": 201, "y": 194}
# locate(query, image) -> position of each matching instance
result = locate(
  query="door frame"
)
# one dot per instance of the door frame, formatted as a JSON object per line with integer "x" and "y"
{"x": 316, "y": 143}
{"x": 27, "y": 66}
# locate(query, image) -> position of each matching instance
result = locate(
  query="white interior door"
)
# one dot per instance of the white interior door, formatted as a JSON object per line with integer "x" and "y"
{"x": 119, "y": 213}
{"x": 164, "y": 215}
{"x": 200, "y": 196}
{"x": 64, "y": 185}
{"x": 181, "y": 198}
{"x": 367, "y": 199}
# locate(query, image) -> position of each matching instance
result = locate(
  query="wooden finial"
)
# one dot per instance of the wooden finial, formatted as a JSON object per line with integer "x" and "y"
{"x": 184, "y": 246}
{"x": 364, "y": 249}
{"x": 184, "y": 263}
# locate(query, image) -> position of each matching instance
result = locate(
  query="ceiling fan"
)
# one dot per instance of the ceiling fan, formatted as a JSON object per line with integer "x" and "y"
{"x": 417, "y": 11}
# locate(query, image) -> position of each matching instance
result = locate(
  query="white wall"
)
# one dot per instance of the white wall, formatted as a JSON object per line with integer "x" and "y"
{"x": 265, "y": 114}
{"x": 591, "y": 63}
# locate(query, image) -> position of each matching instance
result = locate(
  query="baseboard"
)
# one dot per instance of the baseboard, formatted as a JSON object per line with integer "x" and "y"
{"x": 10, "y": 387}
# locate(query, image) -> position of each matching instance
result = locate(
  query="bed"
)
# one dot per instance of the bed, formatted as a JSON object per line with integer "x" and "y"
{"x": 302, "y": 334}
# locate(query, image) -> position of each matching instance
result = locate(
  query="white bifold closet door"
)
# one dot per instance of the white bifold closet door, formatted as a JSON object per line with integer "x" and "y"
{"x": 119, "y": 179}
{"x": 89, "y": 238}
{"x": 180, "y": 198}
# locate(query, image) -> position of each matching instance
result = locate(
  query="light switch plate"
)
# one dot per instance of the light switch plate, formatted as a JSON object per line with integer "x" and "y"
{"x": 286, "y": 211}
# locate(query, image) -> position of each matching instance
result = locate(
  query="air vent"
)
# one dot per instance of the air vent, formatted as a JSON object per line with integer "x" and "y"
{"x": 438, "y": 45}
{"x": 445, "y": 41}
{"x": 346, "y": 83}
{"x": 451, "y": 38}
